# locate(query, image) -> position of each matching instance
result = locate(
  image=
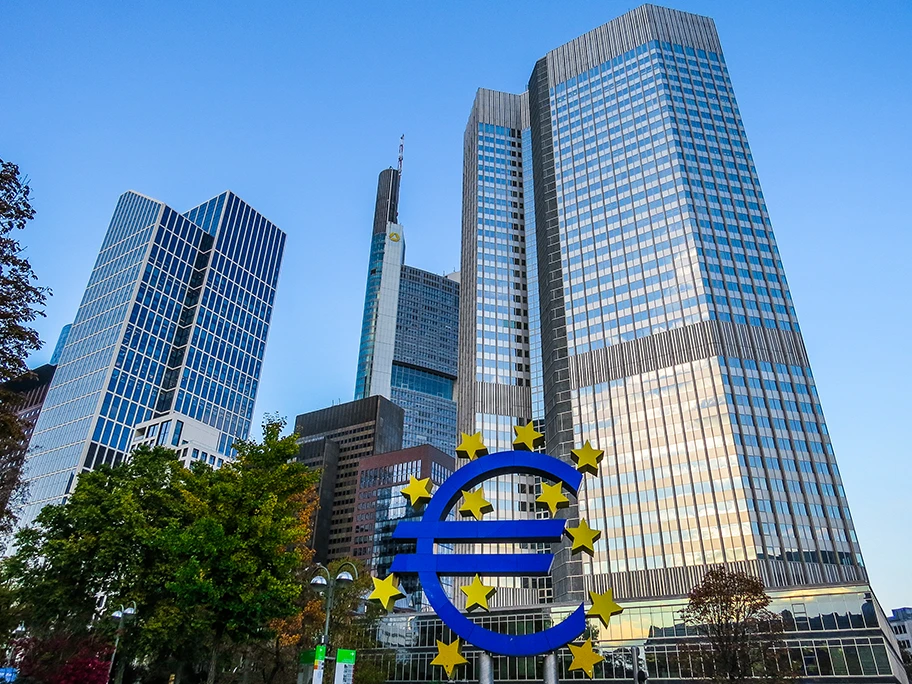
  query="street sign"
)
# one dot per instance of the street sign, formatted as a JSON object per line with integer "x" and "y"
{"x": 345, "y": 666}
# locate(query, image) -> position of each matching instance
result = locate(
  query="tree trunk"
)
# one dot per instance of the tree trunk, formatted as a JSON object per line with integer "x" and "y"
{"x": 213, "y": 660}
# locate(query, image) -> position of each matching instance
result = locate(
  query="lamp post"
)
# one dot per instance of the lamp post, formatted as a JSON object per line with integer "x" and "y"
{"x": 122, "y": 616}
{"x": 324, "y": 583}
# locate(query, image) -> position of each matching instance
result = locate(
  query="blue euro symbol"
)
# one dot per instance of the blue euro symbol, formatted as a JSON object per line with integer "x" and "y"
{"x": 434, "y": 528}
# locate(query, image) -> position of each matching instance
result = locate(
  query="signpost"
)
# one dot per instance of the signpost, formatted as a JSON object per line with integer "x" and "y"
{"x": 345, "y": 666}
{"x": 316, "y": 658}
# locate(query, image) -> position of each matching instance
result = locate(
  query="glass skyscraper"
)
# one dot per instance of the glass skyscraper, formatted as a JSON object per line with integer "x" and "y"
{"x": 622, "y": 285}
{"x": 173, "y": 323}
{"x": 408, "y": 349}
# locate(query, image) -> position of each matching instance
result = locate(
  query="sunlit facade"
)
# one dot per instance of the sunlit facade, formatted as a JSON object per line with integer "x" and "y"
{"x": 174, "y": 320}
{"x": 622, "y": 285}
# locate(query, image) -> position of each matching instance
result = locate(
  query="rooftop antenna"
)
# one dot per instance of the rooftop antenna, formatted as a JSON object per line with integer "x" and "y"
{"x": 401, "y": 152}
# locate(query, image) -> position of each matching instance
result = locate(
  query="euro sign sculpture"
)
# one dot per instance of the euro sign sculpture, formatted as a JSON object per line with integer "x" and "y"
{"x": 434, "y": 528}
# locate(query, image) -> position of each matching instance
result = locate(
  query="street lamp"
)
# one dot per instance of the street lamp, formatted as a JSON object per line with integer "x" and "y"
{"x": 122, "y": 617}
{"x": 323, "y": 583}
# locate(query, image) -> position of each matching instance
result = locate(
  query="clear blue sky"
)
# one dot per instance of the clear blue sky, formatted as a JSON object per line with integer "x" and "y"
{"x": 297, "y": 106}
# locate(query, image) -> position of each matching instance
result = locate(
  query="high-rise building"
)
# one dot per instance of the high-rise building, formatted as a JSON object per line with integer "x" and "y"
{"x": 336, "y": 440}
{"x": 27, "y": 395}
{"x": 620, "y": 191}
{"x": 409, "y": 331}
{"x": 61, "y": 343}
{"x": 173, "y": 323}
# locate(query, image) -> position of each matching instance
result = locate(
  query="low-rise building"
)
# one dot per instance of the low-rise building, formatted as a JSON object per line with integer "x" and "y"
{"x": 193, "y": 440}
{"x": 901, "y": 624}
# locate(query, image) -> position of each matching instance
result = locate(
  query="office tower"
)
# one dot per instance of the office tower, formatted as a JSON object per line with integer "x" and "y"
{"x": 173, "y": 323}
{"x": 381, "y": 506}
{"x": 61, "y": 343}
{"x": 336, "y": 440}
{"x": 28, "y": 394}
{"x": 409, "y": 331}
{"x": 620, "y": 190}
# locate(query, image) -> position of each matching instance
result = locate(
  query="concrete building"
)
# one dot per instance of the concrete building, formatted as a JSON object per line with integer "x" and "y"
{"x": 193, "y": 440}
{"x": 336, "y": 440}
{"x": 901, "y": 624}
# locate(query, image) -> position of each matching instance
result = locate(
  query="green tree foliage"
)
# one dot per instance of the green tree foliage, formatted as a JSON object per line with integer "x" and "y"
{"x": 20, "y": 304}
{"x": 741, "y": 638}
{"x": 212, "y": 558}
{"x": 109, "y": 540}
{"x": 247, "y": 538}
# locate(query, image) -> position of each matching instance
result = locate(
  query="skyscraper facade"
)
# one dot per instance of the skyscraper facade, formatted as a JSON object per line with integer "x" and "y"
{"x": 173, "y": 321}
{"x": 622, "y": 285}
{"x": 408, "y": 349}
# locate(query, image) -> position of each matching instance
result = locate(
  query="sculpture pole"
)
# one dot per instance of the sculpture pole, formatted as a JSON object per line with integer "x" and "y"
{"x": 485, "y": 668}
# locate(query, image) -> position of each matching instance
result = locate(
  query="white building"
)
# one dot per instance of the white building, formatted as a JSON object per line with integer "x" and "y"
{"x": 191, "y": 439}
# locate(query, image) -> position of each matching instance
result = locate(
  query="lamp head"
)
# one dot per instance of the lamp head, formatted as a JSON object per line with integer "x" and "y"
{"x": 345, "y": 578}
{"x": 129, "y": 612}
{"x": 318, "y": 583}
{"x": 117, "y": 614}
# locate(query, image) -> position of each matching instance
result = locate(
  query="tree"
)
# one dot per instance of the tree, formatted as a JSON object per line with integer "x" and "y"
{"x": 20, "y": 304}
{"x": 276, "y": 659}
{"x": 109, "y": 540}
{"x": 213, "y": 559}
{"x": 729, "y": 609}
{"x": 248, "y": 537}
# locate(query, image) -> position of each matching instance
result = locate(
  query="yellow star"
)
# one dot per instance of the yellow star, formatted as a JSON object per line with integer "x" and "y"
{"x": 471, "y": 447}
{"x": 587, "y": 458}
{"x": 448, "y": 657}
{"x": 475, "y": 504}
{"x": 418, "y": 491}
{"x": 584, "y": 658}
{"x": 477, "y": 594}
{"x": 603, "y": 606}
{"x": 552, "y": 497}
{"x": 527, "y": 438}
{"x": 583, "y": 537}
{"x": 386, "y": 591}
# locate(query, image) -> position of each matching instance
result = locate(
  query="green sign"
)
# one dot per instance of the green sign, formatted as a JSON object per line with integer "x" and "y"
{"x": 345, "y": 666}
{"x": 313, "y": 655}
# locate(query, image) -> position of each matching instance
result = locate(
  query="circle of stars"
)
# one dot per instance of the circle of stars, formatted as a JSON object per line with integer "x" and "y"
{"x": 582, "y": 538}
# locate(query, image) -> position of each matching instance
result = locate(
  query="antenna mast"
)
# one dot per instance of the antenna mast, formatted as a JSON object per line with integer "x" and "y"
{"x": 401, "y": 152}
